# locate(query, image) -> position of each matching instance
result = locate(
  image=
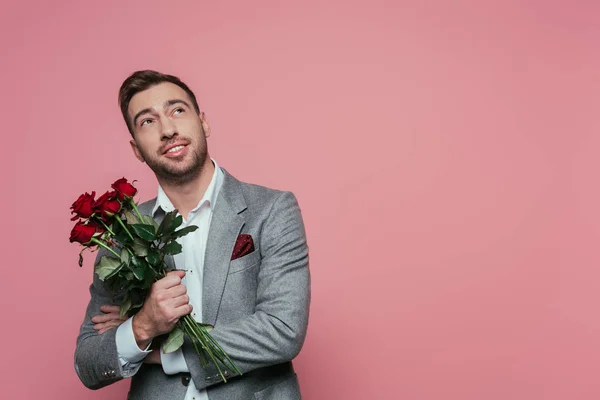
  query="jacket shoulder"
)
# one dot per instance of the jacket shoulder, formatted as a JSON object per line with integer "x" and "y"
{"x": 147, "y": 206}
{"x": 259, "y": 196}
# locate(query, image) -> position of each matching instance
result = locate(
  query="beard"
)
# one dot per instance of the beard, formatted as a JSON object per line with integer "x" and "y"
{"x": 177, "y": 173}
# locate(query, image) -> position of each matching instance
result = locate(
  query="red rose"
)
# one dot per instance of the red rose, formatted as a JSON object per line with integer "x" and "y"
{"x": 107, "y": 205}
{"x": 83, "y": 206}
{"x": 83, "y": 233}
{"x": 124, "y": 188}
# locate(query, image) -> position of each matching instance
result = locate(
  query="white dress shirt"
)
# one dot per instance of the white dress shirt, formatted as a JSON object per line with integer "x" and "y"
{"x": 191, "y": 260}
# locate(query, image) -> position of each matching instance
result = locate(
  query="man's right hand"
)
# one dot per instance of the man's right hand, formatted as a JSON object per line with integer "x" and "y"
{"x": 165, "y": 304}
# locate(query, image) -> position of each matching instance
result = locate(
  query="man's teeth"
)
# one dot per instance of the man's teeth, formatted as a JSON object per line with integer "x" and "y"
{"x": 174, "y": 149}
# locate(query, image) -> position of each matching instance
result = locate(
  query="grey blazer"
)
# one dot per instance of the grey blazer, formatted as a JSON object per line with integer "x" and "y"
{"x": 259, "y": 305}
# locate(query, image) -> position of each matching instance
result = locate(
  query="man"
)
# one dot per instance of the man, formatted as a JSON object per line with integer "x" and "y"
{"x": 258, "y": 302}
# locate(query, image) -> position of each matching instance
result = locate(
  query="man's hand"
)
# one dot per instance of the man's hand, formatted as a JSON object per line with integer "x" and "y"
{"x": 110, "y": 319}
{"x": 153, "y": 357}
{"x": 166, "y": 303}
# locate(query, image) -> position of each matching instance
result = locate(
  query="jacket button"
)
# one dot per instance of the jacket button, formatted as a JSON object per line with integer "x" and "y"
{"x": 185, "y": 379}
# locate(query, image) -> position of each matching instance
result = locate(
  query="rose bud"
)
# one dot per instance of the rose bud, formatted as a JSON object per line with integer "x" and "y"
{"x": 83, "y": 206}
{"x": 107, "y": 205}
{"x": 123, "y": 188}
{"x": 83, "y": 233}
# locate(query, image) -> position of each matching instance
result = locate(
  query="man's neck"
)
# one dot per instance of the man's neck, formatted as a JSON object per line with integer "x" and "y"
{"x": 185, "y": 197}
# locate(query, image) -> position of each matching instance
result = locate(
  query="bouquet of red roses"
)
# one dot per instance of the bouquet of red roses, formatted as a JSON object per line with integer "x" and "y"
{"x": 137, "y": 246}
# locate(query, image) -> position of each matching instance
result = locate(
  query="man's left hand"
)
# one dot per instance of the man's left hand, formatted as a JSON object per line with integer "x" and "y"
{"x": 110, "y": 319}
{"x": 153, "y": 357}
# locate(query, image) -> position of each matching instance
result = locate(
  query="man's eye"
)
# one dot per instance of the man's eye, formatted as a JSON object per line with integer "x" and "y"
{"x": 144, "y": 122}
{"x": 178, "y": 111}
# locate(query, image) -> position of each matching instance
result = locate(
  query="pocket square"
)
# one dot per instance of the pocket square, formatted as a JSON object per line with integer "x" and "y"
{"x": 243, "y": 245}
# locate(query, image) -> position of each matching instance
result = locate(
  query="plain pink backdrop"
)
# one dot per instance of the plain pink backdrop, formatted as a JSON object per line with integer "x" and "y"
{"x": 444, "y": 154}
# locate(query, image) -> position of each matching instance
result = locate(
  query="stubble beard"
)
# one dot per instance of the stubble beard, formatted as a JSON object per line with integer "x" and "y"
{"x": 173, "y": 174}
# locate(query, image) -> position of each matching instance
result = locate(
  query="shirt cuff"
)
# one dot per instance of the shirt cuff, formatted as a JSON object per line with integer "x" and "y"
{"x": 173, "y": 363}
{"x": 127, "y": 347}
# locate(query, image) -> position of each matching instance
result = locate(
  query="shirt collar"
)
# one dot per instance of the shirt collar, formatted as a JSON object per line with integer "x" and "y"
{"x": 210, "y": 196}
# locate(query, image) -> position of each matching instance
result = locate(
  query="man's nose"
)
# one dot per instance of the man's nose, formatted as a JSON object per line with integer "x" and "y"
{"x": 168, "y": 128}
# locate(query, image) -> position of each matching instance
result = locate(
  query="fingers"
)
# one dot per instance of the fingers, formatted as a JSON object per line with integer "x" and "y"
{"x": 178, "y": 290}
{"x": 173, "y": 278}
{"x": 103, "y": 327}
{"x": 110, "y": 313}
{"x": 177, "y": 272}
{"x": 184, "y": 310}
{"x": 110, "y": 309}
{"x": 180, "y": 301}
{"x": 108, "y": 317}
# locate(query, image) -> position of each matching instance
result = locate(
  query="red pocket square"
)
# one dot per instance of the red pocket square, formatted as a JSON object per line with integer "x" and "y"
{"x": 243, "y": 245}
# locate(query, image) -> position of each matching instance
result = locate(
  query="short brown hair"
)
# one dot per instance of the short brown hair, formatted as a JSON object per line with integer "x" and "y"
{"x": 142, "y": 80}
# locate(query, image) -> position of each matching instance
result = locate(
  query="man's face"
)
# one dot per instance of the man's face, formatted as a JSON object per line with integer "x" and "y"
{"x": 168, "y": 133}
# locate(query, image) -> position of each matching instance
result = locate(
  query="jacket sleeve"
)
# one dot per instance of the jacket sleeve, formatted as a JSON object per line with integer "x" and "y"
{"x": 275, "y": 332}
{"x": 96, "y": 358}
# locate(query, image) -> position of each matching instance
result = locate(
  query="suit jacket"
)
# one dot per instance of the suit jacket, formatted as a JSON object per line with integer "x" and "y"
{"x": 258, "y": 304}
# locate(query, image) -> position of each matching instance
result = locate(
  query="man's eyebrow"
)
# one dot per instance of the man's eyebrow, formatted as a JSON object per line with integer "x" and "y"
{"x": 166, "y": 104}
{"x": 169, "y": 103}
{"x": 140, "y": 113}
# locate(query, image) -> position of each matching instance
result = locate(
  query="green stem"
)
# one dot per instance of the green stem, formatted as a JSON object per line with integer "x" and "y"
{"x": 190, "y": 332}
{"x": 209, "y": 349}
{"x": 118, "y": 218}
{"x": 107, "y": 228}
{"x": 135, "y": 208}
{"x": 223, "y": 353}
{"x": 102, "y": 244}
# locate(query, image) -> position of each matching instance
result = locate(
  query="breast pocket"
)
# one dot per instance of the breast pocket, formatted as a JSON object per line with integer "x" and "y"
{"x": 245, "y": 262}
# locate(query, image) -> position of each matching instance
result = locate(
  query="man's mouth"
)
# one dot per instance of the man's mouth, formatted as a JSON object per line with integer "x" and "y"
{"x": 175, "y": 150}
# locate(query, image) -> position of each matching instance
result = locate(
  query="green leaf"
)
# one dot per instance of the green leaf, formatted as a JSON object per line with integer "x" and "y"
{"x": 148, "y": 220}
{"x": 144, "y": 231}
{"x": 131, "y": 217}
{"x": 115, "y": 272}
{"x": 184, "y": 231}
{"x": 139, "y": 267}
{"x": 169, "y": 223}
{"x": 140, "y": 247}
{"x": 138, "y": 272}
{"x": 207, "y": 327}
{"x": 122, "y": 237}
{"x": 166, "y": 222}
{"x": 138, "y": 261}
{"x": 125, "y": 306}
{"x": 172, "y": 248}
{"x": 153, "y": 257}
{"x": 108, "y": 266}
{"x": 125, "y": 256}
{"x": 174, "y": 341}
{"x": 149, "y": 279}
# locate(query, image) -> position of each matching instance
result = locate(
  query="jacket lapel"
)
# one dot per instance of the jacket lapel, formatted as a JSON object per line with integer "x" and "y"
{"x": 225, "y": 226}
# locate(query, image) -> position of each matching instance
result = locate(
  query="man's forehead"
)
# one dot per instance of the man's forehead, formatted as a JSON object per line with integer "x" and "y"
{"x": 155, "y": 97}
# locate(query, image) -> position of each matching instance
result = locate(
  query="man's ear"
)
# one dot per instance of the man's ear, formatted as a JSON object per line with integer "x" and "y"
{"x": 205, "y": 125}
{"x": 136, "y": 151}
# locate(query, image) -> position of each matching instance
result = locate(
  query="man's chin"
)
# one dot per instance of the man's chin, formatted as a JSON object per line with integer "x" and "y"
{"x": 178, "y": 175}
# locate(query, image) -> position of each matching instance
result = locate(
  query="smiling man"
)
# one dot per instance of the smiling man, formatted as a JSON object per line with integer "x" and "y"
{"x": 245, "y": 270}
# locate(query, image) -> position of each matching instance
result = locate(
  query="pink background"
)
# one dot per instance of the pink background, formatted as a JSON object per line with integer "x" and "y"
{"x": 444, "y": 153}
